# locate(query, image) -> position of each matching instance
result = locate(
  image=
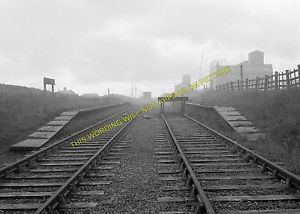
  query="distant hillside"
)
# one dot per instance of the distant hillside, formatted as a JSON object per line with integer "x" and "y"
{"x": 24, "y": 109}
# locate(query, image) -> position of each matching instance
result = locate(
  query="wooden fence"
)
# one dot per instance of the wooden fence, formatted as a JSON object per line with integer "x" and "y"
{"x": 282, "y": 80}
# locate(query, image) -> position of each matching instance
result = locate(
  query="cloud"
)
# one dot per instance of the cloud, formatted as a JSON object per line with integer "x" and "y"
{"x": 87, "y": 43}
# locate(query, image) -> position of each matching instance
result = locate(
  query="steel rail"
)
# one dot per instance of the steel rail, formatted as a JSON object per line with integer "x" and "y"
{"x": 59, "y": 196}
{"x": 36, "y": 155}
{"x": 198, "y": 192}
{"x": 277, "y": 171}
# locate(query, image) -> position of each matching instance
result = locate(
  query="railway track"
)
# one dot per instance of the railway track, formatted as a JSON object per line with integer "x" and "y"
{"x": 62, "y": 177}
{"x": 176, "y": 197}
{"x": 217, "y": 175}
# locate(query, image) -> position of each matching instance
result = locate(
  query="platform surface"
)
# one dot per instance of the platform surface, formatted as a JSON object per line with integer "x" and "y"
{"x": 50, "y": 128}
{"x": 240, "y": 123}
{"x": 57, "y": 123}
{"x": 230, "y": 113}
{"x": 46, "y": 132}
{"x": 69, "y": 113}
{"x": 234, "y": 118}
{"x": 29, "y": 144}
{"x": 64, "y": 118}
{"x": 246, "y": 130}
{"x": 42, "y": 135}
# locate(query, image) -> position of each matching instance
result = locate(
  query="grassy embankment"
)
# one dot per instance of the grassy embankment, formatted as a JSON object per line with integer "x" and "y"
{"x": 23, "y": 110}
{"x": 276, "y": 113}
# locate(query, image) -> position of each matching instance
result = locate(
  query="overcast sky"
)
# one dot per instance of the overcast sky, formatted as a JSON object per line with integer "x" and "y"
{"x": 91, "y": 45}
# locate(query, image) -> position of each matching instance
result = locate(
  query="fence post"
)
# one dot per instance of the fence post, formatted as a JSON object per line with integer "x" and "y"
{"x": 247, "y": 82}
{"x": 298, "y": 83}
{"x": 231, "y": 85}
{"x": 1, "y": 92}
{"x": 294, "y": 81}
{"x": 256, "y": 83}
{"x": 266, "y": 82}
{"x": 238, "y": 85}
{"x": 287, "y": 74}
{"x": 242, "y": 78}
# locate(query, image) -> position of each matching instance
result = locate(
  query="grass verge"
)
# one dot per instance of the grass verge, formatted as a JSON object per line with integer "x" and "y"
{"x": 276, "y": 113}
{"x": 23, "y": 110}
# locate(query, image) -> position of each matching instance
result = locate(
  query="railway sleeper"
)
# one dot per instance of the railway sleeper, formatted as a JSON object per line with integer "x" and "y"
{"x": 263, "y": 190}
{"x": 243, "y": 198}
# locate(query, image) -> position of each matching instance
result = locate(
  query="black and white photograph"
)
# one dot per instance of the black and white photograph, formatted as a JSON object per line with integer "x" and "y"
{"x": 150, "y": 106}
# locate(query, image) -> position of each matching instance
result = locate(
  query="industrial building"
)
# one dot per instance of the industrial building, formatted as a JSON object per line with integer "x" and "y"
{"x": 186, "y": 81}
{"x": 147, "y": 95}
{"x": 66, "y": 92}
{"x": 254, "y": 67}
{"x": 92, "y": 95}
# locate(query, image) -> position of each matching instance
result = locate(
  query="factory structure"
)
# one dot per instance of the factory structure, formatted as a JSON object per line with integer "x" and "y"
{"x": 249, "y": 69}
{"x": 66, "y": 92}
{"x": 254, "y": 67}
{"x": 147, "y": 95}
{"x": 186, "y": 81}
{"x": 90, "y": 95}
